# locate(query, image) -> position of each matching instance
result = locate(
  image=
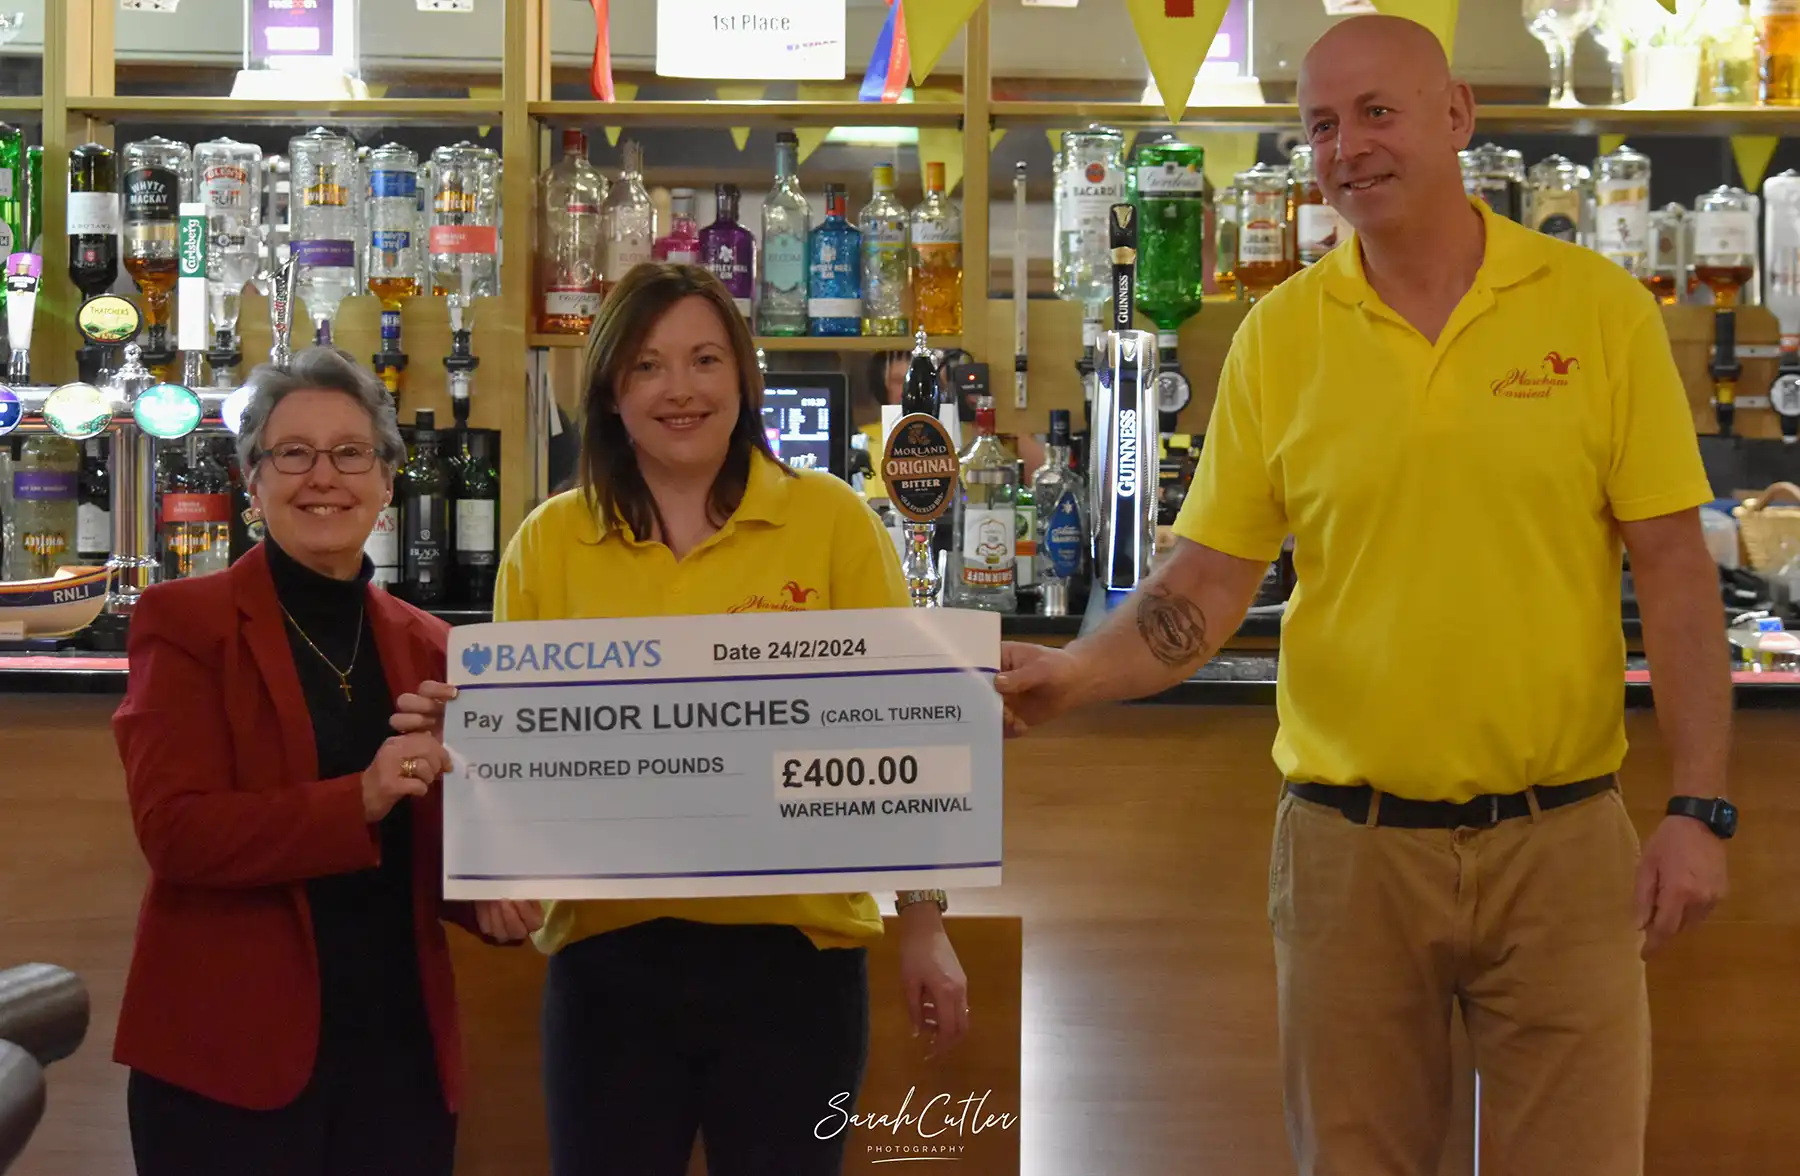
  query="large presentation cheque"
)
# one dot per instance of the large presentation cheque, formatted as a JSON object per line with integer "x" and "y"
{"x": 765, "y": 753}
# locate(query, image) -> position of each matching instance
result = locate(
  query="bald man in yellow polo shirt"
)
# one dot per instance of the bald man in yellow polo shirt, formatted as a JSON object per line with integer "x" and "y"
{"x": 1460, "y": 422}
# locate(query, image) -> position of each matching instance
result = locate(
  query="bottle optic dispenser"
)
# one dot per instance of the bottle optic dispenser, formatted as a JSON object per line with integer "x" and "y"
{"x": 1122, "y": 450}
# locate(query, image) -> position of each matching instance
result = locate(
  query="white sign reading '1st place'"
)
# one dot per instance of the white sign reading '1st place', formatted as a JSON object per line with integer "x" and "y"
{"x": 756, "y": 39}
{"x": 668, "y": 757}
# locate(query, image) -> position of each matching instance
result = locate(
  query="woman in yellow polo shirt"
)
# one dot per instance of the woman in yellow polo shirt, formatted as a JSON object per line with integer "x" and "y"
{"x": 739, "y": 1018}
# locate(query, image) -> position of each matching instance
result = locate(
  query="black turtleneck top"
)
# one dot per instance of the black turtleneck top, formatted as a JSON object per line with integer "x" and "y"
{"x": 362, "y": 921}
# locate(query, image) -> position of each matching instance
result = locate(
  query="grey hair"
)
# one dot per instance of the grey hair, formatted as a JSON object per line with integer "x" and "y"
{"x": 318, "y": 367}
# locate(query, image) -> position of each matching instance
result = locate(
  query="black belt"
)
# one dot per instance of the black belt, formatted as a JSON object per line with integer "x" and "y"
{"x": 1480, "y": 813}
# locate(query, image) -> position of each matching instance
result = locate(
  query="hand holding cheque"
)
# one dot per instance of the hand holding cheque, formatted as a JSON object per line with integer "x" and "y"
{"x": 699, "y": 756}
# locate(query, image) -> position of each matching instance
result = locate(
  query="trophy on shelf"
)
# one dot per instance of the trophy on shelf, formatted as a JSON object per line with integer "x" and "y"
{"x": 919, "y": 468}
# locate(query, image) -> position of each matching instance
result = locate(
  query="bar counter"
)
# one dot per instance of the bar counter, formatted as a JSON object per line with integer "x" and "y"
{"x": 1132, "y": 1026}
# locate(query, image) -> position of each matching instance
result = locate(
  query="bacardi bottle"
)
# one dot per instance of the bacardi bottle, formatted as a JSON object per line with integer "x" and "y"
{"x": 630, "y": 219}
{"x": 423, "y": 486}
{"x": 935, "y": 227}
{"x": 985, "y": 531}
{"x": 887, "y": 292}
{"x": 728, "y": 249}
{"x": 572, "y": 199}
{"x": 834, "y": 271}
{"x": 786, "y": 222}
{"x": 1090, "y": 179}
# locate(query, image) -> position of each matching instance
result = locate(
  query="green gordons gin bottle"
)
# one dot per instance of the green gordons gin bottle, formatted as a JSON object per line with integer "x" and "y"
{"x": 13, "y": 192}
{"x": 1169, "y": 183}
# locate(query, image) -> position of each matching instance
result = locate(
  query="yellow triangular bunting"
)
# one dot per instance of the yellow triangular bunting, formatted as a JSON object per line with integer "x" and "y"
{"x": 622, "y": 92}
{"x": 1753, "y": 153}
{"x": 1611, "y": 143}
{"x": 1175, "y": 35}
{"x": 741, "y": 135}
{"x": 930, "y": 27}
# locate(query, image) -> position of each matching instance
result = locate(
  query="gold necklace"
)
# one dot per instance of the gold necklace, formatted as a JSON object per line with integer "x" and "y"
{"x": 343, "y": 675}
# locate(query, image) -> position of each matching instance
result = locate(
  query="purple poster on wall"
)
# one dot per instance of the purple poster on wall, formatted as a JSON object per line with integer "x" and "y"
{"x": 291, "y": 28}
{"x": 1230, "y": 51}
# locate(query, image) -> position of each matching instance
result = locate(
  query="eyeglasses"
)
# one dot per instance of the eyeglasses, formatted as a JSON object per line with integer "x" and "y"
{"x": 295, "y": 457}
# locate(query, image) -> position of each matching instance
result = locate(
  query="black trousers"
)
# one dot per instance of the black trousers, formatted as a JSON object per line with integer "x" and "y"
{"x": 373, "y": 1108}
{"x": 742, "y": 1034}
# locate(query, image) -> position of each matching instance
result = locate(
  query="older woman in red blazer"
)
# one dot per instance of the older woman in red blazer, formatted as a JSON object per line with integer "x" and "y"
{"x": 290, "y": 1008}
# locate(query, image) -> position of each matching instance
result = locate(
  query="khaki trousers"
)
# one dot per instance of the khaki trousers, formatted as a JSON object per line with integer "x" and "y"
{"x": 1527, "y": 925}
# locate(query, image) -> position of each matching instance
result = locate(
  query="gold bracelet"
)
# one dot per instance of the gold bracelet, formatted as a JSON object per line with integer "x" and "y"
{"x": 906, "y": 898}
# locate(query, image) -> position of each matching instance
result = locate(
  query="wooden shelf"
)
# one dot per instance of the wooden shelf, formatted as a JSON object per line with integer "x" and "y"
{"x": 1583, "y": 120}
{"x": 10, "y": 104}
{"x": 774, "y": 343}
{"x": 740, "y": 114}
{"x": 430, "y": 111}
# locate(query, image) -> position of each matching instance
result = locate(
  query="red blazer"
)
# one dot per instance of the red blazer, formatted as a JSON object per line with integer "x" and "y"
{"x": 223, "y": 993}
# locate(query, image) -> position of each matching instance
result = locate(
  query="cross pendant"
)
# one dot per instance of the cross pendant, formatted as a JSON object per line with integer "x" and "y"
{"x": 344, "y": 685}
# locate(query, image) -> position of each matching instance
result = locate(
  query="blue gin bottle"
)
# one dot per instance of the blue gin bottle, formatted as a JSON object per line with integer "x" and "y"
{"x": 834, "y": 271}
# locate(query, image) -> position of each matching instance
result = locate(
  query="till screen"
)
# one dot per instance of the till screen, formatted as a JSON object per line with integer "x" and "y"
{"x": 798, "y": 424}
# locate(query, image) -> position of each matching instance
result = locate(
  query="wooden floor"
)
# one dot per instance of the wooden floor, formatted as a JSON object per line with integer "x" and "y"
{"x": 1137, "y": 842}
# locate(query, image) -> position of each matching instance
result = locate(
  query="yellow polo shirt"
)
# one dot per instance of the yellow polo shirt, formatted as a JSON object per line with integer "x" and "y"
{"x": 795, "y": 543}
{"x": 1456, "y": 628}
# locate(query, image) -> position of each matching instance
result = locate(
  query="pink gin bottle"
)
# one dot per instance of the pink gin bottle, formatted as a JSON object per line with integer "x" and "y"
{"x": 682, "y": 245}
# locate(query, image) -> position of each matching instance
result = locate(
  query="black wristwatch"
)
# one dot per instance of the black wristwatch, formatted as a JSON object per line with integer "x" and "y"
{"x": 1716, "y": 813}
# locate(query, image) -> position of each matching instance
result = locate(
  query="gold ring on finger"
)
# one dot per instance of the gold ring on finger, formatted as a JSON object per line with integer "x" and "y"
{"x": 409, "y": 767}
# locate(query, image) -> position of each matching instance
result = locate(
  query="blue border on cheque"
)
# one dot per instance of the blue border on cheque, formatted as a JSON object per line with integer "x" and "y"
{"x": 815, "y": 753}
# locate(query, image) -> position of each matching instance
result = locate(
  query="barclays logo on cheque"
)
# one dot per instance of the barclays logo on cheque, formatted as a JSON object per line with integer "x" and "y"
{"x": 506, "y": 658}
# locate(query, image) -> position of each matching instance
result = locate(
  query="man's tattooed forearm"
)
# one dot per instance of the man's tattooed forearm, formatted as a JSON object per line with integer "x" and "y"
{"x": 1172, "y": 626}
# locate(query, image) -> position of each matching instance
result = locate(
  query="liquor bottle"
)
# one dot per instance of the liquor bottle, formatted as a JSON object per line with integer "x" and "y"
{"x": 834, "y": 271}
{"x": 1262, "y": 235}
{"x": 572, "y": 197}
{"x": 1622, "y": 210}
{"x": 786, "y": 221}
{"x": 423, "y": 487}
{"x": 324, "y": 224}
{"x": 1171, "y": 203}
{"x": 93, "y": 219}
{"x": 34, "y": 201}
{"x": 230, "y": 179}
{"x": 887, "y": 293}
{"x": 682, "y": 244}
{"x": 45, "y": 497}
{"x": 1315, "y": 225}
{"x": 6, "y": 511}
{"x": 93, "y": 504}
{"x": 464, "y": 237}
{"x": 1556, "y": 191}
{"x": 630, "y": 219}
{"x": 196, "y": 511}
{"x": 728, "y": 249}
{"x": 1025, "y": 581}
{"x": 383, "y": 545}
{"x": 1778, "y": 26}
{"x": 985, "y": 531}
{"x": 477, "y": 523}
{"x": 1724, "y": 243}
{"x": 935, "y": 226}
{"x": 1225, "y": 250}
{"x": 1496, "y": 176}
{"x": 1060, "y": 495}
{"x": 1090, "y": 178}
{"x": 158, "y": 178}
{"x": 1781, "y": 265}
{"x": 15, "y": 183}
{"x": 391, "y": 249}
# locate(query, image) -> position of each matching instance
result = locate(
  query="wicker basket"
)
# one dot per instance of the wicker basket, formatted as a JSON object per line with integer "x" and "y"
{"x": 1769, "y": 532}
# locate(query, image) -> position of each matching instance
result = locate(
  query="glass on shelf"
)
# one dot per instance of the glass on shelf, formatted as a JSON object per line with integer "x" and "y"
{"x": 1729, "y": 59}
{"x": 1558, "y": 24}
{"x": 1609, "y": 32}
{"x": 1724, "y": 243}
{"x": 1778, "y": 28}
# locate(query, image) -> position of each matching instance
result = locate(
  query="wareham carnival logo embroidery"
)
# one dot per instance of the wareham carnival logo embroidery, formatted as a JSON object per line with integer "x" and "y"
{"x": 1524, "y": 384}
{"x": 793, "y": 598}
{"x": 476, "y": 659}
